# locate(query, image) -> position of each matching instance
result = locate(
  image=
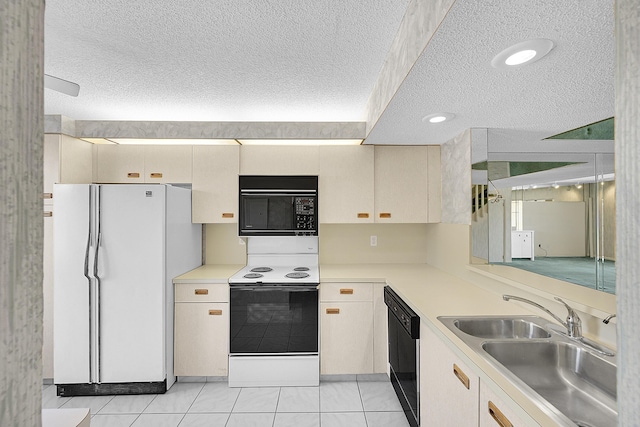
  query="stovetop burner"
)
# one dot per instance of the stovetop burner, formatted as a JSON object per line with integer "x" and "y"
{"x": 261, "y": 269}
{"x": 297, "y": 275}
{"x": 301, "y": 269}
{"x": 252, "y": 275}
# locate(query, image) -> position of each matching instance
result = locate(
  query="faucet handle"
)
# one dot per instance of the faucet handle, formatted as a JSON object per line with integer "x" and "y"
{"x": 574, "y": 324}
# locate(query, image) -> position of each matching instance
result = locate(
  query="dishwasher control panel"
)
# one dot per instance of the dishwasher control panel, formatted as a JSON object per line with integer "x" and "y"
{"x": 408, "y": 318}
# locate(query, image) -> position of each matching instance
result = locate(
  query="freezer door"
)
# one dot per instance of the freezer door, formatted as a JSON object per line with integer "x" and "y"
{"x": 71, "y": 310}
{"x": 132, "y": 286}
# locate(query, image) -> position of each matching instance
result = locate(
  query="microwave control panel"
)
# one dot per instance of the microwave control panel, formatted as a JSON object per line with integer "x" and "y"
{"x": 305, "y": 208}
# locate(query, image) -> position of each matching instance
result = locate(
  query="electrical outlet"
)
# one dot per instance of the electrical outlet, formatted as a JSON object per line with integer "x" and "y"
{"x": 373, "y": 241}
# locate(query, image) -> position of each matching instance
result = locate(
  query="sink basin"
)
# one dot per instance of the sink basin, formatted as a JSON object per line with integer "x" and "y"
{"x": 499, "y": 328}
{"x": 576, "y": 382}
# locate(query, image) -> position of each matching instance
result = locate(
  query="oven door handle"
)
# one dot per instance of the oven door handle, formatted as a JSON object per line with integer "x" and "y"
{"x": 265, "y": 288}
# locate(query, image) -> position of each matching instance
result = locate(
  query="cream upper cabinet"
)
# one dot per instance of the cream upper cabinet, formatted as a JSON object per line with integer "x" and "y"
{"x": 345, "y": 184}
{"x": 402, "y": 184}
{"x": 215, "y": 183}
{"x": 144, "y": 163}
{"x": 168, "y": 163}
{"x": 449, "y": 390}
{"x": 120, "y": 164}
{"x": 279, "y": 160}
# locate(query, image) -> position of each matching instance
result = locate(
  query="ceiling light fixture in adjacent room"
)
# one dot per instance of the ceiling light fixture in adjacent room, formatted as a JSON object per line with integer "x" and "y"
{"x": 438, "y": 118}
{"x": 524, "y": 53}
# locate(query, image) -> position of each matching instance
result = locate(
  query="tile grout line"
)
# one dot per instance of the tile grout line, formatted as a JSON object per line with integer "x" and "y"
{"x": 366, "y": 423}
{"x": 275, "y": 411}
{"x": 194, "y": 401}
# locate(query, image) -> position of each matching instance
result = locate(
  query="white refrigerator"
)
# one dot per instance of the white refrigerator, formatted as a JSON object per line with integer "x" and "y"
{"x": 116, "y": 250}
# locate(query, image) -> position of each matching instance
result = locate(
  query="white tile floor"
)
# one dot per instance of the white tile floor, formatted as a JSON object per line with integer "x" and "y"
{"x": 358, "y": 403}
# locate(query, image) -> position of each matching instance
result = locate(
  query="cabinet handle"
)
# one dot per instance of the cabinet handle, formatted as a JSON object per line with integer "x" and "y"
{"x": 133, "y": 175}
{"x": 47, "y": 195}
{"x": 385, "y": 215}
{"x": 363, "y": 215}
{"x": 215, "y": 312}
{"x": 333, "y": 311}
{"x": 497, "y": 415}
{"x": 227, "y": 215}
{"x": 202, "y": 291}
{"x": 346, "y": 291}
{"x": 461, "y": 376}
{"x": 155, "y": 175}
{"x": 47, "y": 214}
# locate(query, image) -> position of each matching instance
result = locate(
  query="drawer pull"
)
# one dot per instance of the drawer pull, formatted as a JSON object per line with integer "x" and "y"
{"x": 346, "y": 291}
{"x": 227, "y": 215}
{"x": 47, "y": 195}
{"x": 363, "y": 215}
{"x": 497, "y": 415}
{"x": 333, "y": 311}
{"x": 461, "y": 376}
{"x": 202, "y": 291}
{"x": 133, "y": 175}
{"x": 155, "y": 175}
{"x": 48, "y": 214}
{"x": 215, "y": 312}
{"x": 385, "y": 215}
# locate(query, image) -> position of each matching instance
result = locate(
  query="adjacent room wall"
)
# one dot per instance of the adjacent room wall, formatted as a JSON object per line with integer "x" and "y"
{"x": 21, "y": 224}
{"x": 559, "y": 227}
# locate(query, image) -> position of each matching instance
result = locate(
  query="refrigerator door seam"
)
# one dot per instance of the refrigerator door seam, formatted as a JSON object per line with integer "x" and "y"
{"x": 97, "y": 277}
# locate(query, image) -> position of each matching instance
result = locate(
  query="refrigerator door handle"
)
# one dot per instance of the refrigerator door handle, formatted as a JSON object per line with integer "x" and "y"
{"x": 97, "y": 277}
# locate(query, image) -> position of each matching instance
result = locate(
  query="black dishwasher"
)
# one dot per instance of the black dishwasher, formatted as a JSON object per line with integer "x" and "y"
{"x": 404, "y": 334}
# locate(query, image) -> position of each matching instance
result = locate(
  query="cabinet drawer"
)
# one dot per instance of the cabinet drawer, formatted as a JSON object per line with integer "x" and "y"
{"x": 203, "y": 292}
{"x": 346, "y": 292}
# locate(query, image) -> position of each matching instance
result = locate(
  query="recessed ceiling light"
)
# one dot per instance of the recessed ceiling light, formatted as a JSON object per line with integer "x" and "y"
{"x": 524, "y": 53}
{"x": 438, "y": 118}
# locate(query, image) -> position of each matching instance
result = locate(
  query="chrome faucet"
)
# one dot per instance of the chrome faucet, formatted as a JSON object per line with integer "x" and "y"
{"x": 572, "y": 323}
{"x": 607, "y": 319}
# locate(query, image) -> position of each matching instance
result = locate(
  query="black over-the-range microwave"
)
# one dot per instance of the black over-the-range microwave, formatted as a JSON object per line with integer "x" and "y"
{"x": 278, "y": 205}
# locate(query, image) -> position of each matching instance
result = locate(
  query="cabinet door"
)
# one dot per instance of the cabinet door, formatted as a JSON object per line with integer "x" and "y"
{"x": 494, "y": 412}
{"x": 201, "y": 339}
{"x": 346, "y": 338}
{"x": 278, "y": 160}
{"x": 215, "y": 183}
{"x": 76, "y": 161}
{"x": 401, "y": 184}
{"x": 380, "y": 331}
{"x": 345, "y": 186}
{"x": 120, "y": 164}
{"x": 448, "y": 388}
{"x": 167, "y": 163}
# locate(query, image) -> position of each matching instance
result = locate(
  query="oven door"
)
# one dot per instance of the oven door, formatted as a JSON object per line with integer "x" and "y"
{"x": 274, "y": 319}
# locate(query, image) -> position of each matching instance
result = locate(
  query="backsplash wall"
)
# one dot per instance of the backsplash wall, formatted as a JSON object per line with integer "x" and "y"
{"x": 339, "y": 244}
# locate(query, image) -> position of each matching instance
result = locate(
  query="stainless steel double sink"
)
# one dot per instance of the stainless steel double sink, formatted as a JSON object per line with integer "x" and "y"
{"x": 570, "y": 380}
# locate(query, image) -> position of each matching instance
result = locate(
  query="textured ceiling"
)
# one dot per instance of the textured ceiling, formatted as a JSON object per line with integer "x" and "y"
{"x": 572, "y": 86}
{"x": 219, "y": 60}
{"x": 303, "y": 60}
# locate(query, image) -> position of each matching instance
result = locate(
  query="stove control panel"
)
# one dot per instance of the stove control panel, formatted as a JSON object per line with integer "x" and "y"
{"x": 305, "y": 211}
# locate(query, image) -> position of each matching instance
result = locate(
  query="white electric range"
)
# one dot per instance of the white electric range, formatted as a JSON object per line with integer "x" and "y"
{"x": 274, "y": 338}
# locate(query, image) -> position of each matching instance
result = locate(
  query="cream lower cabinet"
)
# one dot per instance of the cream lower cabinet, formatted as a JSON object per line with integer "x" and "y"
{"x": 494, "y": 412}
{"x": 352, "y": 339}
{"x": 449, "y": 390}
{"x": 451, "y": 394}
{"x": 201, "y": 330}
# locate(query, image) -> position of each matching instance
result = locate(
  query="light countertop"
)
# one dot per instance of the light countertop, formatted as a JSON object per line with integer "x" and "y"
{"x": 431, "y": 293}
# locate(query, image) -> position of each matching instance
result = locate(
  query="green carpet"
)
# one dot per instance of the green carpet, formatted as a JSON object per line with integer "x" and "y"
{"x": 578, "y": 270}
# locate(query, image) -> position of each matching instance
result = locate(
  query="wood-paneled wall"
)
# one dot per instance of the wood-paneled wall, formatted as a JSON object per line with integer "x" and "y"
{"x": 21, "y": 218}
